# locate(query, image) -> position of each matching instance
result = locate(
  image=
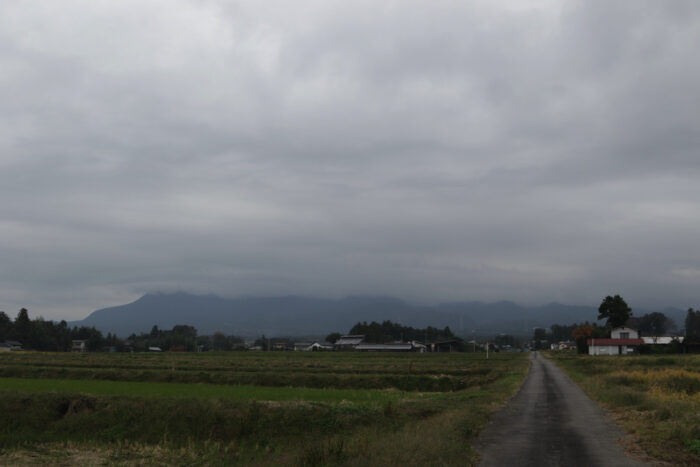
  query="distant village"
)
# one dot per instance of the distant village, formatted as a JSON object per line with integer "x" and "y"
{"x": 622, "y": 334}
{"x": 38, "y": 334}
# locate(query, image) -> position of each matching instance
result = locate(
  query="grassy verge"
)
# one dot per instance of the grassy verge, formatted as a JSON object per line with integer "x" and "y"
{"x": 655, "y": 398}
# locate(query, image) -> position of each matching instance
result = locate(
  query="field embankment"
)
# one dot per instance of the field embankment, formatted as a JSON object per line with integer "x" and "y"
{"x": 655, "y": 398}
{"x": 249, "y": 408}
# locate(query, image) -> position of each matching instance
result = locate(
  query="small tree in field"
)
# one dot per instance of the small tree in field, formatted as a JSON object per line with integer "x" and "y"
{"x": 581, "y": 335}
{"x": 615, "y": 311}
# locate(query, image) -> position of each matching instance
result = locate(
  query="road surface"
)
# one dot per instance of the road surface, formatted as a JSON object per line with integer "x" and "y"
{"x": 551, "y": 422}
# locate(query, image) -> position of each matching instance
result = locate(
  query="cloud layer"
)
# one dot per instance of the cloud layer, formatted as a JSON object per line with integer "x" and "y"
{"x": 534, "y": 152}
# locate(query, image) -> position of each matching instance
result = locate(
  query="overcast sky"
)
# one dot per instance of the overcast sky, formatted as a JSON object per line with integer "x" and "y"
{"x": 533, "y": 151}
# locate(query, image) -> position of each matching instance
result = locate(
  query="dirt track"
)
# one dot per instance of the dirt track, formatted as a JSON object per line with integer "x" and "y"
{"x": 551, "y": 422}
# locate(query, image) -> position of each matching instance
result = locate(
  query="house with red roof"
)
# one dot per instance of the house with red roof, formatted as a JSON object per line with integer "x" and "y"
{"x": 622, "y": 341}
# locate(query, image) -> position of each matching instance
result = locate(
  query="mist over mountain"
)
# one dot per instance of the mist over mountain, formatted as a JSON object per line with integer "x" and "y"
{"x": 308, "y": 316}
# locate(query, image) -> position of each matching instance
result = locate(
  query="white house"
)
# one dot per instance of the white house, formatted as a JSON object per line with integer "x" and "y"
{"x": 622, "y": 341}
{"x": 624, "y": 333}
{"x": 79, "y": 346}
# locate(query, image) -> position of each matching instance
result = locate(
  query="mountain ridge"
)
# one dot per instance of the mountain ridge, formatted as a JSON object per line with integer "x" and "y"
{"x": 293, "y": 315}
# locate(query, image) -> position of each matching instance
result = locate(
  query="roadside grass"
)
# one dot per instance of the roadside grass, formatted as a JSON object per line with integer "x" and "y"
{"x": 68, "y": 423}
{"x": 446, "y": 438}
{"x": 655, "y": 398}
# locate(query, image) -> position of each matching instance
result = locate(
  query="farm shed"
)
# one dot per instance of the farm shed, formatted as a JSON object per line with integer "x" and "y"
{"x": 317, "y": 346}
{"x": 312, "y": 347}
{"x": 10, "y": 345}
{"x": 418, "y": 347}
{"x": 445, "y": 346}
{"x": 348, "y": 342}
{"x": 384, "y": 347}
{"x": 662, "y": 340}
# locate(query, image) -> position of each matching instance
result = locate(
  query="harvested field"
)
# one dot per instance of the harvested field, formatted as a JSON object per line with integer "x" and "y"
{"x": 250, "y": 407}
{"x": 414, "y": 372}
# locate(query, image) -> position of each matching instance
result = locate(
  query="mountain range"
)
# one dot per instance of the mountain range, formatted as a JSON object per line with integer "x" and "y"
{"x": 308, "y": 316}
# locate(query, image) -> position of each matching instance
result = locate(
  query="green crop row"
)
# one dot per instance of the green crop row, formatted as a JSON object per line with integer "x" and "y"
{"x": 237, "y": 393}
{"x": 273, "y": 379}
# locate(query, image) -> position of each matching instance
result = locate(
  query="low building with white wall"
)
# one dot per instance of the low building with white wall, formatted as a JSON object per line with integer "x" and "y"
{"x": 608, "y": 346}
{"x": 622, "y": 341}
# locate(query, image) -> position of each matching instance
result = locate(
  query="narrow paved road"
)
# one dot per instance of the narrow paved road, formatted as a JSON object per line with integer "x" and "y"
{"x": 551, "y": 422}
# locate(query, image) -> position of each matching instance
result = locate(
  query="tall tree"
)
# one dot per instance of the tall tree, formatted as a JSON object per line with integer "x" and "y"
{"x": 692, "y": 325}
{"x": 5, "y": 326}
{"x": 541, "y": 338}
{"x": 23, "y": 326}
{"x": 615, "y": 311}
{"x": 655, "y": 324}
{"x": 220, "y": 342}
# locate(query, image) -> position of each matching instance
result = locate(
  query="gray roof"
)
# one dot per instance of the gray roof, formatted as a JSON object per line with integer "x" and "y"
{"x": 383, "y": 347}
{"x": 11, "y": 344}
{"x": 349, "y": 340}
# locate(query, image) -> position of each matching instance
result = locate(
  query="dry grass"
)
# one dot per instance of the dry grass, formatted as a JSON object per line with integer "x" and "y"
{"x": 656, "y": 399}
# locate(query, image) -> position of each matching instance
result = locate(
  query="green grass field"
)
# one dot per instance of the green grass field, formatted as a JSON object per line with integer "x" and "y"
{"x": 250, "y": 408}
{"x": 200, "y": 390}
{"x": 654, "y": 397}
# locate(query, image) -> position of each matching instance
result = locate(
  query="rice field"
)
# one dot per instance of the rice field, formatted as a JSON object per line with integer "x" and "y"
{"x": 250, "y": 408}
{"x": 201, "y": 390}
{"x": 407, "y": 372}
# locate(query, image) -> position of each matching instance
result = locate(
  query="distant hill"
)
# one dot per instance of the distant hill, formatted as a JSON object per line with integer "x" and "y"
{"x": 307, "y": 316}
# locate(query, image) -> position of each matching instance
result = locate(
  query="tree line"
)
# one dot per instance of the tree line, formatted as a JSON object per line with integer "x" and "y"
{"x": 386, "y": 331}
{"x": 39, "y": 334}
{"x": 182, "y": 338}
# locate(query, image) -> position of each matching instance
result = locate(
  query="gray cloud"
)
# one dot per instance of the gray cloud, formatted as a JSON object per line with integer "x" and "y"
{"x": 538, "y": 151}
